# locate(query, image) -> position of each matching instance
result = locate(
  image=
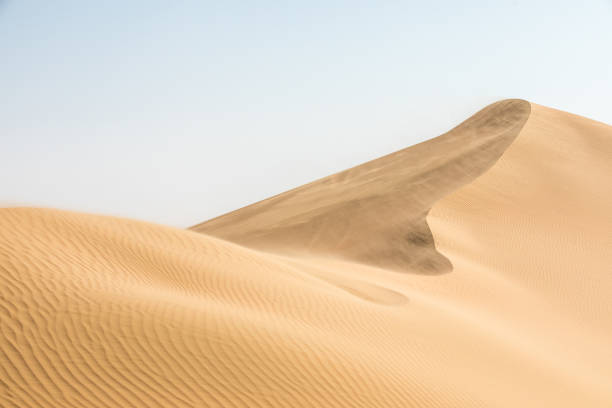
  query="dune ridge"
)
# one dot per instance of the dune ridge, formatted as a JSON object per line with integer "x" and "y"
{"x": 472, "y": 270}
{"x": 340, "y": 215}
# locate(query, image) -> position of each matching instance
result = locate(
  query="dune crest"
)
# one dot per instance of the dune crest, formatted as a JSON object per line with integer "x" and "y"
{"x": 375, "y": 213}
{"x": 296, "y": 301}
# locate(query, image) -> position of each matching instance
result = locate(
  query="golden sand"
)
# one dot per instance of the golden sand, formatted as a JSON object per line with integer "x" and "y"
{"x": 472, "y": 270}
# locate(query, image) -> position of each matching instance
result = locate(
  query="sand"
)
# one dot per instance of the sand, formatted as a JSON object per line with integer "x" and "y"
{"x": 472, "y": 270}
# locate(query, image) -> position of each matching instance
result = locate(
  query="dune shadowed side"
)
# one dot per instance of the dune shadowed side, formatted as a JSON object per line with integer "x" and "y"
{"x": 375, "y": 213}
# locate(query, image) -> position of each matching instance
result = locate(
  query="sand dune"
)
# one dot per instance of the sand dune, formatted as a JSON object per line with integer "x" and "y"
{"x": 472, "y": 270}
{"x": 340, "y": 215}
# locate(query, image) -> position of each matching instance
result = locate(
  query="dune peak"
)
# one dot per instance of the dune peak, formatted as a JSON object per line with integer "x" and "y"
{"x": 375, "y": 213}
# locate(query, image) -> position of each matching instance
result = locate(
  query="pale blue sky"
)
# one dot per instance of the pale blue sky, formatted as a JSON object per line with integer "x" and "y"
{"x": 178, "y": 111}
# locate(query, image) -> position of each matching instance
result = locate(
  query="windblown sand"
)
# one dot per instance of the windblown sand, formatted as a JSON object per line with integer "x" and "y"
{"x": 472, "y": 270}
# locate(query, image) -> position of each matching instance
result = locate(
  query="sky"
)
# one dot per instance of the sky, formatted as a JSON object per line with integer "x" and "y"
{"x": 175, "y": 112}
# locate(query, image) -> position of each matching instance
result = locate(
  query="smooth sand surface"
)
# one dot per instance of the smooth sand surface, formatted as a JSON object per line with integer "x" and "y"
{"x": 472, "y": 270}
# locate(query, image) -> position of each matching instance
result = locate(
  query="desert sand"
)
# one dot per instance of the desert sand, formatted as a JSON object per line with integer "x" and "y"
{"x": 471, "y": 270}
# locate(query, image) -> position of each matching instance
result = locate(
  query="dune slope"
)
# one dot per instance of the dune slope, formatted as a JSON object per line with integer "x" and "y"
{"x": 342, "y": 215}
{"x": 334, "y": 294}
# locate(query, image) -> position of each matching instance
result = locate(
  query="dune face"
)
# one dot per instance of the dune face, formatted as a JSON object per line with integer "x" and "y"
{"x": 335, "y": 294}
{"x": 375, "y": 213}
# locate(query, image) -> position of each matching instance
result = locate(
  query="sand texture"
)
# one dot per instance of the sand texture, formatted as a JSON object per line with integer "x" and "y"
{"x": 471, "y": 270}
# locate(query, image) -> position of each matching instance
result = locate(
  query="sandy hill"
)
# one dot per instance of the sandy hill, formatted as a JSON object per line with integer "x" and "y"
{"x": 472, "y": 270}
{"x": 375, "y": 213}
